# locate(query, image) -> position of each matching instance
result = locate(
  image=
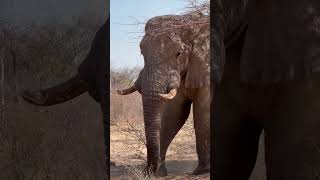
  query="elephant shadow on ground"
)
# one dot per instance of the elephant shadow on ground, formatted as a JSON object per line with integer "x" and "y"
{"x": 177, "y": 169}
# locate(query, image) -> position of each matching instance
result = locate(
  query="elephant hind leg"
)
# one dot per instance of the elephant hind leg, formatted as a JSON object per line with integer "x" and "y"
{"x": 175, "y": 114}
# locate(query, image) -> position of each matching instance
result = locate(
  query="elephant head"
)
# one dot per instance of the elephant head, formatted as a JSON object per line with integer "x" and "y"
{"x": 176, "y": 54}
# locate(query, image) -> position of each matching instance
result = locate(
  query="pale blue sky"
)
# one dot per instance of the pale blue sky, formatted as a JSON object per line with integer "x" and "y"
{"x": 125, "y": 39}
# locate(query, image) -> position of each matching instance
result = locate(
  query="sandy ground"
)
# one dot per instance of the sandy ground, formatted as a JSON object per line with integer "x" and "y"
{"x": 128, "y": 152}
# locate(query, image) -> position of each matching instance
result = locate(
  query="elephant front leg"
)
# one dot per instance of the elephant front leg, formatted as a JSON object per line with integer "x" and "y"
{"x": 175, "y": 114}
{"x": 201, "y": 114}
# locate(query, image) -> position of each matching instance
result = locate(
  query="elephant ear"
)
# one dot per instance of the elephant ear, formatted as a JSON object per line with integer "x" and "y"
{"x": 218, "y": 41}
{"x": 198, "y": 72}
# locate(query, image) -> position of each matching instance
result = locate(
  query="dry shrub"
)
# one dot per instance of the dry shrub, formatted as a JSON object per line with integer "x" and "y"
{"x": 126, "y": 116}
{"x": 202, "y": 6}
{"x": 135, "y": 173}
{"x": 125, "y": 108}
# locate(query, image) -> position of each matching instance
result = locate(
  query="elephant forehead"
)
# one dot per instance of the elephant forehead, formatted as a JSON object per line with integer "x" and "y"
{"x": 154, "y": 46}
{"x": 165, "y": 34}
{"x": 178, "y": 24}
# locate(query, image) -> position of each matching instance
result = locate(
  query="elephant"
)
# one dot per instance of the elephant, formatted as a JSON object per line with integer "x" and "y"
{"x": 91, "y": 77}
{"x": 176, "y": 75}
{"x": 267, "y": 80}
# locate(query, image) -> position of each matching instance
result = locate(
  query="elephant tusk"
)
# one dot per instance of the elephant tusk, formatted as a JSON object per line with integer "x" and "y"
{"x": 58, "y": 94}
{"x": 127, "y": 91}
{"x": 35, "y": 97}
{"x": 170, "y": 95}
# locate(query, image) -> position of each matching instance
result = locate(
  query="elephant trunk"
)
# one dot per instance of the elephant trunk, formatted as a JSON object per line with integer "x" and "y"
{"x": 156, "y": 89}
{"x": 152, "y": 111}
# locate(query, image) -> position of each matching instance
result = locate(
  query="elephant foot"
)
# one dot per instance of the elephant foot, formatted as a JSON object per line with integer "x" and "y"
{"x": 162, "y": 171}
{"x": 153, "y": 170}
{"x": 201, "y": 169}
{"x": 150, "y": 170}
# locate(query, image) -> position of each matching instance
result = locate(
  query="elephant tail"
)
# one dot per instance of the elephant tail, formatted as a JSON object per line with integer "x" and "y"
{"x": 58, "y": 94}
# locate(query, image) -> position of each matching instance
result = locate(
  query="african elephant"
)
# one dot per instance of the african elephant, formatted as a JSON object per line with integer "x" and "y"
{"x": 176, "y": 74}
{"x": 269, "y": 80}
{"x": 91, "y": 77}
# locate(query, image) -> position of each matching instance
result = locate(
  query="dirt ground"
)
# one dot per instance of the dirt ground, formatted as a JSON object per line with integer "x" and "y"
{"x": 128, "y": 152}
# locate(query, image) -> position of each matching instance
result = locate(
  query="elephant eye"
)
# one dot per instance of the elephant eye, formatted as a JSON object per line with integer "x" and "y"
{"x": 178, "y": 55}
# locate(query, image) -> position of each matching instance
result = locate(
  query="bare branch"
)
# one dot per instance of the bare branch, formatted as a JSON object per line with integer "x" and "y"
{"x": 192, "y": 7}
{"x": 202, "y": 6}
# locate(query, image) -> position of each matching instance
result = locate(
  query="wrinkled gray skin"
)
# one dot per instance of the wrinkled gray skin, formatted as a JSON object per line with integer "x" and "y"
{"x": 175, "y": 58}
{"x": 276, "y": 42}
{"x": 228, "y": 22}
{"x": 91, "y": 77}
{"x": 268, "y": 76}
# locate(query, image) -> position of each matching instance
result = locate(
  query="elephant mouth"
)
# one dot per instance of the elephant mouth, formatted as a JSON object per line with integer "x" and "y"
{"x": 168, "y": 96}
{"x": 163, "y": 96}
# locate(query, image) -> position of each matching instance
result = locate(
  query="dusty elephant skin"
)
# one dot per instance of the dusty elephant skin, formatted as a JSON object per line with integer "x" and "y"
{"x": 269, "y": 81}
{"x": 228, "y": 22}
{"x": 91, "y": 77}
{"x": 176, "y": 74}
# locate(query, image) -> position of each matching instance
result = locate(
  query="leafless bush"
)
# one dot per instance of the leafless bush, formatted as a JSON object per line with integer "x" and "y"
{"x": 198, "y": 8}
{"x": 134, "y": 131}
{"x": 126, "y": 118}
{"x": 202, "y": 6}
{"x": 136, "y": 173}
{"x": 123, "y": 77}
